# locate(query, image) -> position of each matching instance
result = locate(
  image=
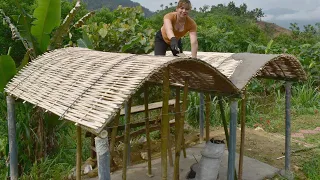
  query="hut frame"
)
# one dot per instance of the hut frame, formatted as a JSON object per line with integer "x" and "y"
{"x": 218, "y": 73}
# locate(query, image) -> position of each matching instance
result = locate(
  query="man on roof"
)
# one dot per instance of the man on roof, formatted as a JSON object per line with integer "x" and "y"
{"x": 176, "y": 25}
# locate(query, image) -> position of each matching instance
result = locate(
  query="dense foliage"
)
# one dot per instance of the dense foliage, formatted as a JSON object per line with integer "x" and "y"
{"x": 221, "y": 28}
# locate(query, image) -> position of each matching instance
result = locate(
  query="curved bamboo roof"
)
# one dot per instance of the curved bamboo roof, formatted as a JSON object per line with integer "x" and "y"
{"x": 271, "y": 66}
{"x": 88, "y": 87}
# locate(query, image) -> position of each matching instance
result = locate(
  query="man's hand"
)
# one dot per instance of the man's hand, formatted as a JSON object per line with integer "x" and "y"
{"x": 174, "y": 46}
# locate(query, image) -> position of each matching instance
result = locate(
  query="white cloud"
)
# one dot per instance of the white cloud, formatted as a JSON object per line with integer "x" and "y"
{"x": 300, "y": 15}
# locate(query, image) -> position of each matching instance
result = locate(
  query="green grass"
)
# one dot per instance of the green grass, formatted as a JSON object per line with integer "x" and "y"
{"x": 311, "y": 168}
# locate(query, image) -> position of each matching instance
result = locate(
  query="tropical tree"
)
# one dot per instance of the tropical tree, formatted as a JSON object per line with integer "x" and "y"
{"x": 161, "y": 6}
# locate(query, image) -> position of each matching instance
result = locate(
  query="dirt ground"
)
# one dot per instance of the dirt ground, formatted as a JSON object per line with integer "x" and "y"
{"x": 265, "y": 147}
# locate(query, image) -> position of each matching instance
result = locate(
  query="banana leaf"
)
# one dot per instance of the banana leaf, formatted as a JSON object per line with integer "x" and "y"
{"x": 7, "y": 70}
{"x": 64, "y": 28}
{"x": 47, "y": 15}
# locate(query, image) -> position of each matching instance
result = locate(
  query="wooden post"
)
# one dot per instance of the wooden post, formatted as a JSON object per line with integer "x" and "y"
{"x": 79, "y": 153}
{"x": 201, "y": 117}
{"x": 113, "y": 136}
{"x": 183, "y": 115}
{"x": 103, "y": 156}
{"x": 208, "y": 104}
{"x": 179, "y": 139}
{"x": 146, "y": 116}
{"x": 126, "y": 139}
{"x": 243, "y": 123}
{"x": 232, "y": 140}
{"x": 165, "y": 124}
{"x": 13, "y": 150}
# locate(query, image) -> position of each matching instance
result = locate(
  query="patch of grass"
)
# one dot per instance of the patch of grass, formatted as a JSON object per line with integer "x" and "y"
{"x": 313, "y": 139}
{"x": 312, "y": 168}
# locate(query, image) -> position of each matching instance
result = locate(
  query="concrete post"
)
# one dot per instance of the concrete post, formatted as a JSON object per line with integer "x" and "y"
{"x": 103, "y": 157}
{"x": 13, "y": 152}
{"x": 288, "y": 132}
{"x": 232, "y": 140}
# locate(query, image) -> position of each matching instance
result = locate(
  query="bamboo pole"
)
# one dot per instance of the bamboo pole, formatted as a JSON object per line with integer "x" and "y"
{"x": 13, "y": 150}
{"x": 243, "y": 122}
{"x": 170, "y": 148}
{"x": 207, "y": 116}
{"x": 183, "y": 115}
{"x": 201, "y": 117}
{"x": 179, "y": 139}
{"x": 224, "y": 121}
{"x": 113, "y": 136}
{"x": 79, "y": 153}
{"x": 126, "y": 139}
{"x": 177, "y": 114}
{"x": 146, "y": 116}
{"x": 165, "y": 124}
{"x": 93, "y": 154}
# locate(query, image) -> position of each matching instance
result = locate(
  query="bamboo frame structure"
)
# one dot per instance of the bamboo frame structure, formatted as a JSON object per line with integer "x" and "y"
{"x": 243, "y": 127}
{"x": 208, "y": 105}
{"x": 88, "y": 90}
{"x": 146, "y": 116}
{"x": 165, "y": 124}
{"x": 126, "y": 139}
{"x": 79, "y": 152}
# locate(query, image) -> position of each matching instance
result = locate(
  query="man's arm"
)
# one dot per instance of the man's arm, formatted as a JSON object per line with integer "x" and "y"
{"x": 194, "y": 44}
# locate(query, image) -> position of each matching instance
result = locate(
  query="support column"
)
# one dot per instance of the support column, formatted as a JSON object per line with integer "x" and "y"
{"x": 288, "y": 132}
{"x": 126, "y": 154}
{"x": 232, "y": 141}
{"x": 103, "y": 156}
{"x": 13, "y": 150}
{"x": 201, "y": 117}
{"x": 165, "y": 124}
{"x": 243, "y": 127}
{"x": 79, "y": 153}
{"x": 146, "y": 116}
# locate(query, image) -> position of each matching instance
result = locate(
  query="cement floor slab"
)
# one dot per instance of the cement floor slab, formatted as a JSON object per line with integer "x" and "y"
{"x": 252, "y": 168}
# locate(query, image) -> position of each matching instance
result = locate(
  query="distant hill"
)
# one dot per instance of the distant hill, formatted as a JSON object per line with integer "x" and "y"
{"x": 113, "y": 4}
{"x": 273, "y": 29}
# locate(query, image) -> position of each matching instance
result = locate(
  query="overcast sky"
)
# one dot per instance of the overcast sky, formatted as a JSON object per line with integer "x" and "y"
{"x": 278, "y": 11}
